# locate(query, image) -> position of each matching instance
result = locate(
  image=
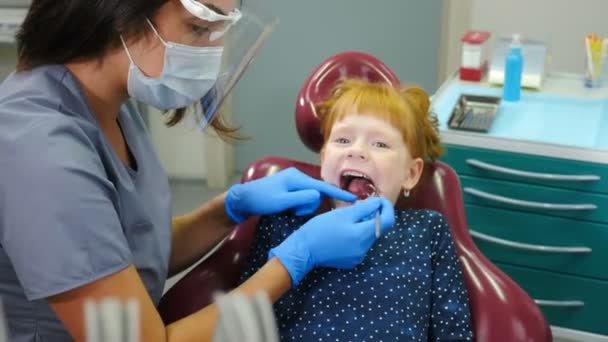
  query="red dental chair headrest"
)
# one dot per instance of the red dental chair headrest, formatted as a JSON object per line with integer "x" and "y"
{"x": 319, "y": 84}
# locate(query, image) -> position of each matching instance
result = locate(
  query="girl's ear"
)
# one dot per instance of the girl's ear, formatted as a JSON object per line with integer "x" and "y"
{"x": 414, "y": 173}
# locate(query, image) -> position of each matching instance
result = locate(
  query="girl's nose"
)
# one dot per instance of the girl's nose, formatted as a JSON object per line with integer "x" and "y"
{"x": 357, "y": 153}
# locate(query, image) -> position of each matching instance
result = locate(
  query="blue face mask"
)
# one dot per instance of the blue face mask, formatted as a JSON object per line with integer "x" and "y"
{"x": 188, "y": 74}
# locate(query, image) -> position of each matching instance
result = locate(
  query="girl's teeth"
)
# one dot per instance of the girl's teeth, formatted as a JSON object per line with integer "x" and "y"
{"x": 356, "y": 174}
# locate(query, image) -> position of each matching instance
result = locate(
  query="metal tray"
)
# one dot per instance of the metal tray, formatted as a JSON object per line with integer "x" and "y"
{"x": 474, "y": 112}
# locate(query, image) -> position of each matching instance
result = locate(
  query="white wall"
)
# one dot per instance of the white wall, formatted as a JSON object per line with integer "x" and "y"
{"x": 187, "y": 153}
{"x": 564, "y": 22}
{"x": 455, "y": 22}
{"x": 404, "y": 34}
{"x": 181, "y": 148}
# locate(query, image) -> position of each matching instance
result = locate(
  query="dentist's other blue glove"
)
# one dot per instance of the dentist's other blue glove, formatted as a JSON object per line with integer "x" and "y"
{"x": 288, "y": 189}
{"x": 339, "y": 238}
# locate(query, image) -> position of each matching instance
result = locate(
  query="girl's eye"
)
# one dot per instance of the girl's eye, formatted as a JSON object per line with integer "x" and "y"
{"x": 381, "y": 144}
{"x": 342, "y": 141}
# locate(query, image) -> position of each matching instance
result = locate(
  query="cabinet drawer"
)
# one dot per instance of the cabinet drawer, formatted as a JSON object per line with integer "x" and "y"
{"x": 561, "y": 173}
{"x": 571, "y": 302}
{"x": 534, "y": 198}
{"x": 543, "y": 242}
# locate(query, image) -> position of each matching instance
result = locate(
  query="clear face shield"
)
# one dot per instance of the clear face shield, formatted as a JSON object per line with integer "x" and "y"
{"x": 239, "y": 33}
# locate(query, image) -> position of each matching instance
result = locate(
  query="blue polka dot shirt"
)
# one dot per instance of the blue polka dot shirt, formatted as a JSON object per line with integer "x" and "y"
{"x": 408, "y": 288}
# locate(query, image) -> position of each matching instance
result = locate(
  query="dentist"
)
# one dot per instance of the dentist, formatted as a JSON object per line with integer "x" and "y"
{"x": 84, "y": 202}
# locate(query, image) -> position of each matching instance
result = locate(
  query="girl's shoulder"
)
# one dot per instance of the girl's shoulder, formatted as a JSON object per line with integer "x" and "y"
{"x": 419, "y": 216}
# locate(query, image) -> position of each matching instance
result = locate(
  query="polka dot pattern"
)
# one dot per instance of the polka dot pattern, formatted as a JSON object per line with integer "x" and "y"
{"x": 409, "y": 287}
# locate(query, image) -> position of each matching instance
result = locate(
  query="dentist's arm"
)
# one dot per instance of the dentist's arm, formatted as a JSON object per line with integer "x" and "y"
{"x": 273, "y": 279}
{"x": 313, "y": 245}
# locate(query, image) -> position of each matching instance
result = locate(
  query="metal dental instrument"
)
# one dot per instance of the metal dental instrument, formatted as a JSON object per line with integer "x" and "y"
{"x": 371, "y": 191}
{"x": 377, "y": 224}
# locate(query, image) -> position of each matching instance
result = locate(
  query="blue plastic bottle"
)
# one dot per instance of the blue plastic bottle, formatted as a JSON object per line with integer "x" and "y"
{"x": 514, "y": 64}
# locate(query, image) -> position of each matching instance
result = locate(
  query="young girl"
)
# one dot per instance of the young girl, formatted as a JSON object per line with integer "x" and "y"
{"x": 410, "y": 285}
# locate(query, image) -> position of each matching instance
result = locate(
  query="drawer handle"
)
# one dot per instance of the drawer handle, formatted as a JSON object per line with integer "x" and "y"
{"x": 560, "y": 303}
{"x": 528, "y": 204}
{"x": 533, "y": 175}
{"x": 529, "y": 247}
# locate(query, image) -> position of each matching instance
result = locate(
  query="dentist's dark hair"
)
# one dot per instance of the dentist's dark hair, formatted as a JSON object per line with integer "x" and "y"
{"x": 64, "y": 31}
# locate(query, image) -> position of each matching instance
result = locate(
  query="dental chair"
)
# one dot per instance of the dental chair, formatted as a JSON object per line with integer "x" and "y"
{"x": 500, "y": 309}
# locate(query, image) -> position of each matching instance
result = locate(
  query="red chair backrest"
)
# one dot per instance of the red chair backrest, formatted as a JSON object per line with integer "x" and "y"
{"x": 500, "y": 309}
{"x": 318, "y": 86}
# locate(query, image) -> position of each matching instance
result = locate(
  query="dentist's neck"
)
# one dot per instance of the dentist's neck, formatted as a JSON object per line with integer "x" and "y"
{"x": 103, "y": 82}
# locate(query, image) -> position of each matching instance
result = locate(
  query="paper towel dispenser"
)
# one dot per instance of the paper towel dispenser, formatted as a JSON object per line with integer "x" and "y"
{"x": 12, "y": 13}
{"x": 15, "y": 3}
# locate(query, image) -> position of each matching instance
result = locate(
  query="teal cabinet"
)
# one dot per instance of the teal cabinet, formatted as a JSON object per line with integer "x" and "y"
{"x": 567, "y": 301}
{"x": 535, "y": 188}
{"x": 546, "y": 243}
{"x": 538, "y": 199}
{"x": 550, "y": 236}
{"x": 527, "y": 169}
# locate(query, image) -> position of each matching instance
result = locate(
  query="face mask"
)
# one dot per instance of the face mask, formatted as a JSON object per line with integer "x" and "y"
{"x": 188, "y": 74}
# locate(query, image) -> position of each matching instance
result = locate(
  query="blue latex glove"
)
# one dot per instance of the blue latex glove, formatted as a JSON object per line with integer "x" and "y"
{"x": 288, "y": 189}
{"x": 339, "y": 238}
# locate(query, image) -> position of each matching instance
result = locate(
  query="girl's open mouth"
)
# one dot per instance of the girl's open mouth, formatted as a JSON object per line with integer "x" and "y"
{"x": 358, "y": 183}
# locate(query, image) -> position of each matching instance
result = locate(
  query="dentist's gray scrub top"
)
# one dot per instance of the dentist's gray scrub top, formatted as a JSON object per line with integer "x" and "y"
{"x": 70, "y": 211}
